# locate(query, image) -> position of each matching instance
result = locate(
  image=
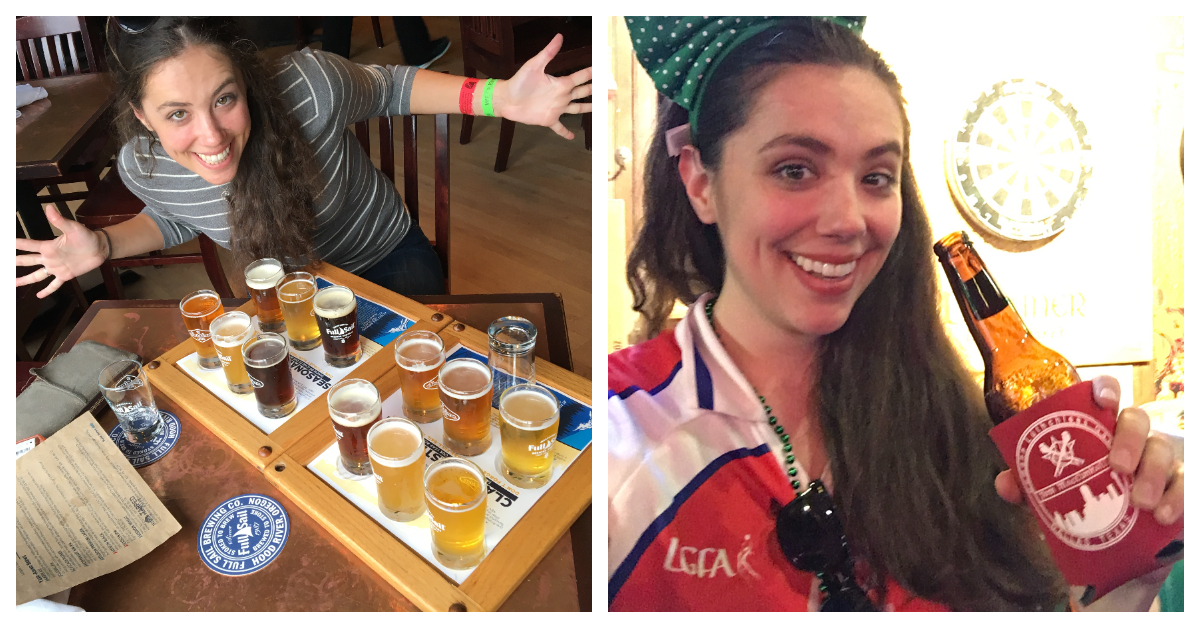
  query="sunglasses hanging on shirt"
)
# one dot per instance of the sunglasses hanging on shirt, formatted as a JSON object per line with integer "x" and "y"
{"x": 811, "y": 537}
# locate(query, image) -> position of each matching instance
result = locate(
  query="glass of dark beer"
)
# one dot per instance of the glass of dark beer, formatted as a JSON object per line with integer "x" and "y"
{"x": 261, "y": 278}
{"x": 267, "y": 364}
{"x": 354, "y": 406}
{"x": 337, "y": 316}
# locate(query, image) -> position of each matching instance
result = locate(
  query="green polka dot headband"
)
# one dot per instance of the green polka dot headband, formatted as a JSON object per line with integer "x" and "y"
{"x": 679, "y": 52}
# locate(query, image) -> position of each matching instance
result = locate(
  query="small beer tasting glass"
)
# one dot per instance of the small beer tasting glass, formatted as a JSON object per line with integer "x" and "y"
{"x": 456, "y": 495}
{"x": 465, "y": 388}
{"x": 295, "y": 292}
{"x": 229, "y": 332}
{"x": 199, "y": 309}
{"x": 262, "y": 276}
{"x": 419, "y": 355}
{"x": 270, "y": 372}
{"x": 354, "y": 407}
{"x": 337, "y": 316}
{"x": 397, "y": 450}
{"x": 528, "y": 431}
{"x": 811, "y": 537}
{"x": 127, "y": 391}
{"x": 511, "y": 341}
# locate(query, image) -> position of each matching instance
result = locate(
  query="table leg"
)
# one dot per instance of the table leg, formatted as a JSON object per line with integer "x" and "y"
{"x": 581, "y": 550}
{"x": 31, "y": 212}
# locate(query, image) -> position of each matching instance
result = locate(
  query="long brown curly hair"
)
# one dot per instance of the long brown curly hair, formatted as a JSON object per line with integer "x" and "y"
{"x": 903, "y": 421}
{"x": 271, "y": 196}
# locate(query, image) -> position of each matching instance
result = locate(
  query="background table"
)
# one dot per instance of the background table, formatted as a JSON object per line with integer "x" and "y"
{"x": 53, "y": 132}
{"x": 313, "y": 572}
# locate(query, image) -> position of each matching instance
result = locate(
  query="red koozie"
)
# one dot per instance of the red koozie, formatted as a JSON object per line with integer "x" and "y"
{"x": 1059, "y": 449}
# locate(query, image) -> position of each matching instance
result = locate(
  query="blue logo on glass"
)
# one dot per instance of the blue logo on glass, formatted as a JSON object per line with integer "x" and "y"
{"x": 243, "y": 535}
{"x": 142, "y": 454}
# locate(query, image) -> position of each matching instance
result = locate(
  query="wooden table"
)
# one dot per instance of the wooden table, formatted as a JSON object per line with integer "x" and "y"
{"x": 53, "y": 132}
{"x": 315, "y": 571}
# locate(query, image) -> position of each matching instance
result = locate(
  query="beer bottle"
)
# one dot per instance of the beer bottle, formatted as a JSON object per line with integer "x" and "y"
{"x": 1019, "y": 371}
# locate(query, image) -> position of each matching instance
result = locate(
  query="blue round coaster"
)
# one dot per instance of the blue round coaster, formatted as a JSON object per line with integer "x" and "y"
{"x": 142, "y": 454}
{"x": 243, "y": 535}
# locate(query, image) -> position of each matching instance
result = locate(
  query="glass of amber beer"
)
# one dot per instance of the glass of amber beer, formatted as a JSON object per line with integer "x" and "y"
{"x": 199, "y": 309}
{"x": 456, "y": 495}
{"x": 465, "y": 388}
{"x": 295, "y": 293}
{"x": 267, "y": 364}
{"x": 261, "y": 278}
{"x": 337, "y": 316}
{"x": 230, "y": 331}
{"x": 354, "y": 406}
{"x": 528, "y": 431}
{"x": 397, "y": 450}
{"x": 418, "y": 356}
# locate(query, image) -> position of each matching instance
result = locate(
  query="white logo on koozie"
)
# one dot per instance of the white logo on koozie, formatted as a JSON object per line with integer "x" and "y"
{"x": 1070, "y": 506}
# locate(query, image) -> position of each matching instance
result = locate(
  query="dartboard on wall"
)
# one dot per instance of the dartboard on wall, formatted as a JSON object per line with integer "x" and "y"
{"x": 1019, "y": 165}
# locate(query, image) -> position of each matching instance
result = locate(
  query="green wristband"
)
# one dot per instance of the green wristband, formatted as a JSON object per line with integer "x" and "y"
{"x": 487, "y": 98}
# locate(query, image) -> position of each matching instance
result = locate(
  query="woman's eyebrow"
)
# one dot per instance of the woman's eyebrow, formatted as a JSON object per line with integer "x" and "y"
{"x": 188, "y": 104}
{"x": 821, "y": 148}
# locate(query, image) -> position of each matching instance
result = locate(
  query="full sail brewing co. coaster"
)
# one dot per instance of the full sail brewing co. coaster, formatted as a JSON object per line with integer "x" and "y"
{"x": 142, "y": 454}
{"x": 243, "y": 535}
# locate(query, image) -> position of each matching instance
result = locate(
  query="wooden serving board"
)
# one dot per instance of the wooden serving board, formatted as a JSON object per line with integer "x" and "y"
{"x": 284, "y": 455}
{"x": 244, "y": 437}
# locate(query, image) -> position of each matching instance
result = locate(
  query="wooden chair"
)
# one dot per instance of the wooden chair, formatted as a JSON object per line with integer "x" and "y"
{"x": 111, "y": 203}
{"x": 441, "y": 174}
{"x": 499, "y": 46}
{"x": 50, "y": 47}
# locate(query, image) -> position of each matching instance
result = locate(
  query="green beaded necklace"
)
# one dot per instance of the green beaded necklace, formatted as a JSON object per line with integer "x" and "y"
{"x": 774, "y": 422}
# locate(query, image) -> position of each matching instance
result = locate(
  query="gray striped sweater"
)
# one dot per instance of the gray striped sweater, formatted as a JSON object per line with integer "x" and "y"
{"x": 359, "y": 215}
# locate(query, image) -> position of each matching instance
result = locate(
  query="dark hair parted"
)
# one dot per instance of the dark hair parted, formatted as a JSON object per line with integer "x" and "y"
{"x": 271, "y": 196}
{"x": 903, "y": 420}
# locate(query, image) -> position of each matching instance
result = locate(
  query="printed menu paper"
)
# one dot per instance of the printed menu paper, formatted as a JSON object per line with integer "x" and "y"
{"x": 82, "y": 511}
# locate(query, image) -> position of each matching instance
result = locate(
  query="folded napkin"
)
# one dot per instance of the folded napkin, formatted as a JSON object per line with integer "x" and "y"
{"x": 65, "y": 388}
{"x": 27, "y": 93}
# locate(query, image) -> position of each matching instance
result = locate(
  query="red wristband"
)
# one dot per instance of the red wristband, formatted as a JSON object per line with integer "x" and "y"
{"x": 466, "y": 95}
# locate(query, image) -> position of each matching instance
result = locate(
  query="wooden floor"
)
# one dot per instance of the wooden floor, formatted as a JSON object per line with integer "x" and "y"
{"x": 527, "y": 229}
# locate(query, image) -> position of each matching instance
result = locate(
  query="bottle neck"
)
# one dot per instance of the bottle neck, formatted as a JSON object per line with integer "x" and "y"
{"x": 993, "y": 322}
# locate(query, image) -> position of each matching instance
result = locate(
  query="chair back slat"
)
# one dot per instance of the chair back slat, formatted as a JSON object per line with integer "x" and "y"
{"x": 408, "y": 124}
{"x": 441, "y": 191}
{"x": 387, "y": 159}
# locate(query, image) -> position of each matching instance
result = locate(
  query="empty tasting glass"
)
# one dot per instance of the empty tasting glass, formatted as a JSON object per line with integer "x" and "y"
{"x": 296, "y": 292}
{"x": 261, "y": 278}
{"x": 511, "y": 341}
{"x": 128, "y": 393}
{"x": 456, "y": 495}
{"x": 419, "y": 354}
{"x": 397, "y": 450}
{"x": 465, "y": 388}
{"x": 270, "y": 371}
{"x": 199, "y": 309}
{"x": 528, "y": 431}
{"x": 354, "y": 406}
{"x": 337, "y": 316}
{"x": 229, "y": 332}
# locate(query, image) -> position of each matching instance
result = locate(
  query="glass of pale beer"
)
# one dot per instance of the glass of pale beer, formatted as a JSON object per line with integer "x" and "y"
{"x": 465, "y": 388}
{"x": 456, "y": 495}
{"x": 270, "y": 372}
{"x": 354, "y": 406}
{"x": 199, "y": 309}
{"x": 419, "y": 355}
{"x": 397, "y": 450}
{"x": 262, "y": 276}
{"x": 295, "y": 293}
{"x": 337, "y": 316}
{"x": 528, "y": 431}
{"x": 229, "y": 332}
